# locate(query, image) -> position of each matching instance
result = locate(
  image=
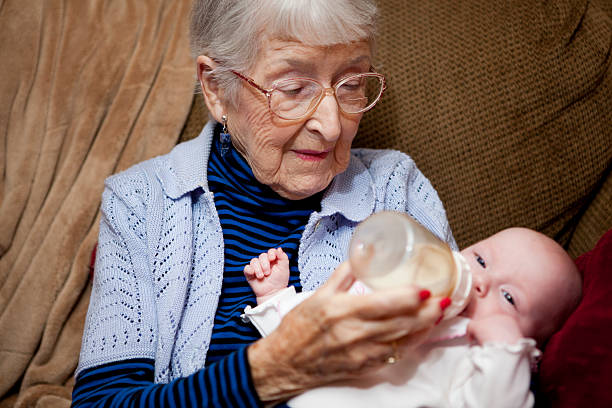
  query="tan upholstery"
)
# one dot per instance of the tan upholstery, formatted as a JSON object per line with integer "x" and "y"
{"x": 87, "y": 88}
{"x": 505, "y": 106}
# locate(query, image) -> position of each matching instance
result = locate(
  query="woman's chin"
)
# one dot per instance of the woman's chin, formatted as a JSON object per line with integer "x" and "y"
{"x": 294, "y": 194}
{"x": 299, "y": 192}
{"x": 303, "y": 186}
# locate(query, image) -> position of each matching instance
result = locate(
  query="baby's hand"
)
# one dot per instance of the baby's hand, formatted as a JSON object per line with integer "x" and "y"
{"x": 268, "y": 274}
{"x": 498, "y": 328}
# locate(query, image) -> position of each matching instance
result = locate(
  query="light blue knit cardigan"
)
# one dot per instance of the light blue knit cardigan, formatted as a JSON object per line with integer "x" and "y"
{"x": 160, "y": 260}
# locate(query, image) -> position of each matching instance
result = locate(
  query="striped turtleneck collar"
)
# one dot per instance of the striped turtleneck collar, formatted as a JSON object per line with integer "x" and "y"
{"x": 242, "y": 188}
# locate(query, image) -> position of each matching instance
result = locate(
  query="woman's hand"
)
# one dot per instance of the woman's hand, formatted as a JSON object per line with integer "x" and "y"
{"x": 335, "y": 335}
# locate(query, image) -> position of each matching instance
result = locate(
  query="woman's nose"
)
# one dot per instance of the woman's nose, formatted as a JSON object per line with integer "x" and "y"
{"x": 327, "y": 117}
{"x": 481, "y": 283}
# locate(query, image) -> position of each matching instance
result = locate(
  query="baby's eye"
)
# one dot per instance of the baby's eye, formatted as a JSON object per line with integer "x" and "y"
{"x": 481, "y": 261}
{"x": 508, "y": 297}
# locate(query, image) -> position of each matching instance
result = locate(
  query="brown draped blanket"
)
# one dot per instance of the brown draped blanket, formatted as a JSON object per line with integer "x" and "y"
{"x": 87, "y": 88}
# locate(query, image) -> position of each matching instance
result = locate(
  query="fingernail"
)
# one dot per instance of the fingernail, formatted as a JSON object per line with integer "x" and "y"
{"x": 439, "y": 320}
{"x": 424, "y": 294}
{"x": 444, "y": 303}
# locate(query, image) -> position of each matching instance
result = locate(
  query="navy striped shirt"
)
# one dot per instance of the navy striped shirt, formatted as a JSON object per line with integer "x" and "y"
{"x": 129, "y": 383}
{"x": 253, "y": 219}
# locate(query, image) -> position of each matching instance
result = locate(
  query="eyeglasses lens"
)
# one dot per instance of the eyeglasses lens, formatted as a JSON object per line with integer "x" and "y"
{"x": 294, "y": 98}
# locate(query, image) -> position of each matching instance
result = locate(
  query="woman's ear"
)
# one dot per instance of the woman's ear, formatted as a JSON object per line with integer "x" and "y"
{"x": 210, "y": 88}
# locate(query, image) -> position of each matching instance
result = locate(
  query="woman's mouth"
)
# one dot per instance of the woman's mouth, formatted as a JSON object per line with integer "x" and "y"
{"x": 311, "y": 155}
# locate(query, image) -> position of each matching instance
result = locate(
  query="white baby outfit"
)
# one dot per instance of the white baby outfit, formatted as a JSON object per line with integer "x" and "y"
{"x": 448, "y": 370}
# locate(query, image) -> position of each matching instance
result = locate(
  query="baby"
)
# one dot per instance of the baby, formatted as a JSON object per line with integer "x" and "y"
{"x": 524, "y": 288}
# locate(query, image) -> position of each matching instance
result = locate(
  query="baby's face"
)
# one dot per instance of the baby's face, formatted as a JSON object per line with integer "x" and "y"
{"x": 525, "y": 275}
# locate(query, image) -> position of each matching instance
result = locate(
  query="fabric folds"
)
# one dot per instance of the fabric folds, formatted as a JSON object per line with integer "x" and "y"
{"x": 87, "y": 88}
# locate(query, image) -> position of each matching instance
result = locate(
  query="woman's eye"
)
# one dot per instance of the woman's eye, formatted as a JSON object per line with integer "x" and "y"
{"x": 297, "y": 88}
{"x": 291, "y": 90}
{"x": 508, "y": 297}
{"x": 481, "y": 261}
{"x": 351, "y": 85}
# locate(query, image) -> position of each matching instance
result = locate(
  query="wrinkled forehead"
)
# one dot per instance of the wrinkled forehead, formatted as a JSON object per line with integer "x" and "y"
{"x": 275, "y": 53}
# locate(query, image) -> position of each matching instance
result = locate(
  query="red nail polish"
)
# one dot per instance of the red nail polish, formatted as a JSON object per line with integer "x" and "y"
{"x": 424, "y": 294}
{"x": 439, "y": 320}
{"x": 444, "y": 303}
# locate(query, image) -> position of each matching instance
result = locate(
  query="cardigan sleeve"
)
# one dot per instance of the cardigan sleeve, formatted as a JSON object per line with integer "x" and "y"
{"x": 121, "y": 321}
{"x": 117, "y": 366}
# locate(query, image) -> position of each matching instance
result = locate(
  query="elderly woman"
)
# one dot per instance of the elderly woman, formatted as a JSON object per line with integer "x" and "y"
{"x": 286, "y": 83}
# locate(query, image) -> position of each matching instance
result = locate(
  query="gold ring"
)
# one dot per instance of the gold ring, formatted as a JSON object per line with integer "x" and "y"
{"x": 393, "y": 358}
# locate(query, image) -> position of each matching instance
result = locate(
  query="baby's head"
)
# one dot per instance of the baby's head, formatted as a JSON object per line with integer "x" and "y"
{"x": 526, "y": 275}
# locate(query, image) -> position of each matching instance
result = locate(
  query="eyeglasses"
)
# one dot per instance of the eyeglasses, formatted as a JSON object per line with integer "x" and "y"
{"x": 297, "y": 98}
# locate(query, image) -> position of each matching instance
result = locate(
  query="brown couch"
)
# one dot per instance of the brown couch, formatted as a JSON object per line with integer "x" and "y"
{"x": 505, "y": 106}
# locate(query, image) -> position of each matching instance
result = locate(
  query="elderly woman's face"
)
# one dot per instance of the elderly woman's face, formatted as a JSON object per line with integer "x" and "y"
{"x": 297, "y": 158}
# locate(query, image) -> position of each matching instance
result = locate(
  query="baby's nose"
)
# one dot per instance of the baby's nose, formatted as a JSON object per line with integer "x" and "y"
{"x": 481, "y": 284}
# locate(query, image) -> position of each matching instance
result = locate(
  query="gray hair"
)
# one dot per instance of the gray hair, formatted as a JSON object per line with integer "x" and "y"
{"x": 230, "y": 31}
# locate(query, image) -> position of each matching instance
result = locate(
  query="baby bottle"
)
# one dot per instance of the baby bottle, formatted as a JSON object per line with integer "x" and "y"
{"x": 390, "y": 249}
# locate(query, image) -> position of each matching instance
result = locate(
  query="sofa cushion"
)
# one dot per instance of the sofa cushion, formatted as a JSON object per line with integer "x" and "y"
{"x": 576, "y": 368}
{"x": 505, "y": 106}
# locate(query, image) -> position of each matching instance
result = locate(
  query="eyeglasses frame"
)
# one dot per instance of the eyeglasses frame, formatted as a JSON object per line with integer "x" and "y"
{"x": 326, "y": 91}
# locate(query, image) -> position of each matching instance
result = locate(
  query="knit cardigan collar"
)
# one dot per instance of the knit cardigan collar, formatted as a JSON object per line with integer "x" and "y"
{"x": 187, "y": 165}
